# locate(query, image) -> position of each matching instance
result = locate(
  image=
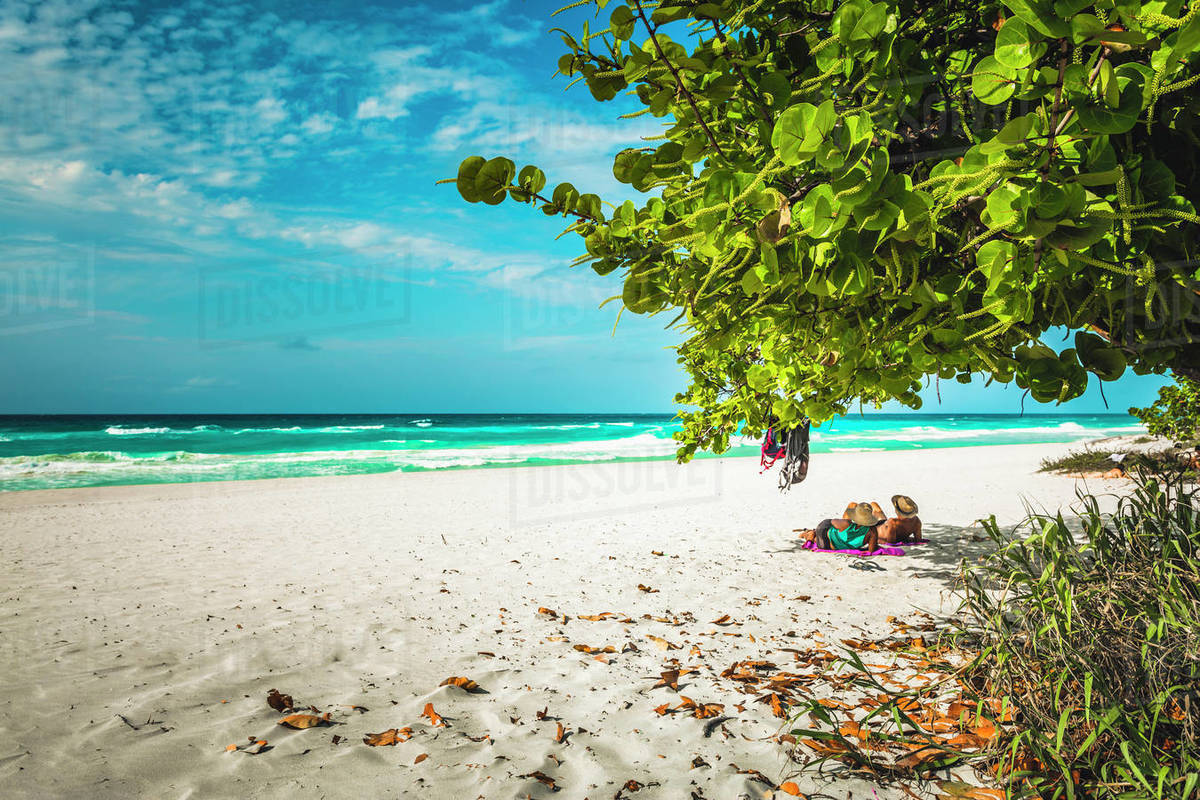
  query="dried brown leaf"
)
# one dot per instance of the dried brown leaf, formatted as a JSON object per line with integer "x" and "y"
{"x": 466, "y": 684}
{"x": 301, "y": 721}
{"x": 541, "y": 777}
{"x": 387, "y": 738}
{"x": 279, "y": 702}
{"x": 435, "y": 719}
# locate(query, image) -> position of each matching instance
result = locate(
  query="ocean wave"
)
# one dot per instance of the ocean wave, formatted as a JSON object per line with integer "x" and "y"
{"x": 929, "y": 433}
{"x": 117, "y": 430}
{"x": 638, "y": 446}
{"x": 590, "y": 425}
{"x": 421, "y": 423}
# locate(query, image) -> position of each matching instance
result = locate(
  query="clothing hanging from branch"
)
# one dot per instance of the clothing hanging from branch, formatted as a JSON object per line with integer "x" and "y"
{"x": 789, "y": 447}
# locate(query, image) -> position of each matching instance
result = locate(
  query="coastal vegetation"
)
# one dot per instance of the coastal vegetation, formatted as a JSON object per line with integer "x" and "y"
{"x": 1176, "y": 412}
{"x": 850, "y": 200}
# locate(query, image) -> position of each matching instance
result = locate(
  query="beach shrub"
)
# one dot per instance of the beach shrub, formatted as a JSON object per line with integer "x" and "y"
{"x": 846, "y": 200}
{"x": 1088, "y": 459}
{"x": 1091, "y": 632}
{"x": 1176, "y": 412}
{"x": 1092, "y": 459}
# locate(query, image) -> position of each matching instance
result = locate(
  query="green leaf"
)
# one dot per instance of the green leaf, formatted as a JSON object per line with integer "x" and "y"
{"x": 1098, "y": 356}
{"x": 992, "y": 82}
{"x": 760, "y": 377}
{"x": 493, "y": 180}
{"x": 465, "y": 181}
{"x": 623, "y": 165}
{"x": 622, "y": 22}
{"x": 1037, "y": 16}
{"x": 1014, "y": 47}
{"x": 791, "y": 130}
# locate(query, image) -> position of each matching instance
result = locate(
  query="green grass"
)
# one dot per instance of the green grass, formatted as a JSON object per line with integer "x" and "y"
{"x": 1087, "y": 460}
{"x": 1091, "y": 630}
{"x": 1091, "y": 459}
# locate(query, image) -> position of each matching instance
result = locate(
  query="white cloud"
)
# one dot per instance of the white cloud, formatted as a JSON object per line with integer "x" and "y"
{"x": 172, "y": 128}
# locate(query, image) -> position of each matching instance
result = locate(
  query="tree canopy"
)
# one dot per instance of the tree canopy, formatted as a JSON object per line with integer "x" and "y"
{"x": 850, "y": 199}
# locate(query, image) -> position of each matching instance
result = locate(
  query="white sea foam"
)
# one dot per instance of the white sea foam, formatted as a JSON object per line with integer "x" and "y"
{"x": 117, "y": 430}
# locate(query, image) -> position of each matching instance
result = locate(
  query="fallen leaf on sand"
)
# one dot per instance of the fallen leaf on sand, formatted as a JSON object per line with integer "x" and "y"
{"x": 826, "y": 748}
{"x": 722, "y": 620}
{"x": 466, "y": 684}
{"x": 776, "y": 702}
{"x": 663, "y": 710}
{"x": 541, "y": 777}
{"x": 230, "y": 748}
{"x": 788, "y": 787}
{"x": 669, "y": 679}
{"x": 647, "y": 589}
{"x": 708, "y": 710}
{"x": 301, "y": 721}
{"x": 542, "y": 714}
{"x": 435, "y": 719}
{"x": 388, "y": 738}
{"x": 603, "y": 615}
{"x": 984, "y": 729}
{"x": 852, "y": 729}
{"x": 279, "y": 702}
{"x": 755, "y": 774}
{"x": 656, "y": 552}
{"x": 698, "y": 762}
{"x": 965, "y": 740}
{"x": 420, "y": 758}
{"x": 583, "y": 648}
{"x": 662, "y": 643}
{"x": 548, "y": 612}
{"x": 486, "y": 653}
{"x": 561, "y": 734}
{"x": 632, "y": 786}
{"x": 918, "y": 757}
{"x": 965, "y": 790}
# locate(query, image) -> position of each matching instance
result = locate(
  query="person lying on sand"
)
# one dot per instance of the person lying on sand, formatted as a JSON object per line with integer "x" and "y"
{"x": 858, "y": 530}
{"x": 903, "y": 527}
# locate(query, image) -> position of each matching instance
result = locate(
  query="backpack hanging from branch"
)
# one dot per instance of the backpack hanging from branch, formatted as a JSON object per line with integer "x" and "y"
{"x": 790, "y": 447}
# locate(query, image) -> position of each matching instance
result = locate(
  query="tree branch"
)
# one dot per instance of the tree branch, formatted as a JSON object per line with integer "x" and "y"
{"x": 678, "y": 80}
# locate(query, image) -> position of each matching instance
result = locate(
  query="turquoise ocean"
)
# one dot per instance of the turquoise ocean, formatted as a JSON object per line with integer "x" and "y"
{"x": 41, "y": 452}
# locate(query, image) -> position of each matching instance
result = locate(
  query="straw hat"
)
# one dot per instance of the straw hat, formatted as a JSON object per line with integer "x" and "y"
{"x": 905, "y": 507}
{"x": 862, "y": 514}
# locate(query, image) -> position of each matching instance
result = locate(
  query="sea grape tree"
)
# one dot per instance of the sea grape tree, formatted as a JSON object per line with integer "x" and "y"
{"x": 850, "y": 199}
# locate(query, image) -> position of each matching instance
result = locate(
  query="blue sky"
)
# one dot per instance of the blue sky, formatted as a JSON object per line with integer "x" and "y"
{"x": 222, "y": 207}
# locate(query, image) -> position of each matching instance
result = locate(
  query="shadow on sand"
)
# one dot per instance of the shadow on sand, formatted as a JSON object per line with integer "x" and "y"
{"x": 940, "y": 557}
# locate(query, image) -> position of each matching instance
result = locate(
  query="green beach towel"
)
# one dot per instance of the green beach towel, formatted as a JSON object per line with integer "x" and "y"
{"x": 850, "y": 539}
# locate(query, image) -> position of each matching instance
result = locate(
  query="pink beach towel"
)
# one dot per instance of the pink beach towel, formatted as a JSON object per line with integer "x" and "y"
{"x": 882, "y": 551}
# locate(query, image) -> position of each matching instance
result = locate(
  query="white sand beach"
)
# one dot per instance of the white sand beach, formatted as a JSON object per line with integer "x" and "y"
{"x": 142, "y": 627}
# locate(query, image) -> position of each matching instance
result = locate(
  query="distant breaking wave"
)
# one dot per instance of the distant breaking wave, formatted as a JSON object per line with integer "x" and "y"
{"x": 48, "y": 452}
